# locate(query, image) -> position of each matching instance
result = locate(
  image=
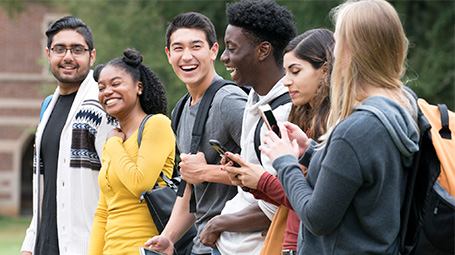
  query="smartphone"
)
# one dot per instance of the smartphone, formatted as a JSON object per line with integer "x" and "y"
{"x": 269, "y": 119}
{"x": 221, "y": 150}
{"x": 145, "y": 251}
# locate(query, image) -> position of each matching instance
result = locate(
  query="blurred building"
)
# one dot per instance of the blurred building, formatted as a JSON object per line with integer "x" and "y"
{"x": 25, "y": 80}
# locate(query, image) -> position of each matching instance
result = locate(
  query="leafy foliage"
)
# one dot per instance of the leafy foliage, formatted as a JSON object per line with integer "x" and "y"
{"x": 430, "y": 28}
{"x": 119, "y": 24}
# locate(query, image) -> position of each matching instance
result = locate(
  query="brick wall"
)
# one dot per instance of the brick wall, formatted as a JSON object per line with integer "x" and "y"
{"x": 23, "y": 75}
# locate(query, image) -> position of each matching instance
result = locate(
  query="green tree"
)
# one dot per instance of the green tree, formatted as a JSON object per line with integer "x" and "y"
{"x": 430, "y": 27}
{"x": 119, "y": 24}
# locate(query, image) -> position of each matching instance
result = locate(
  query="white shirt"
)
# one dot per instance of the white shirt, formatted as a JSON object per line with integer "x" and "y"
{"x": 249, "y": 243}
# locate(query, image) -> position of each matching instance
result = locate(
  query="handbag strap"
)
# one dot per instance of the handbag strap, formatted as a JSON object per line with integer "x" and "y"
{"x": 139, "y": 139}
{"x": 141, "y": 129}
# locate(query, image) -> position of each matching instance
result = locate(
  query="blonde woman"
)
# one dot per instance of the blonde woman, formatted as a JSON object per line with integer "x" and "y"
{"x": 350, "y": 201}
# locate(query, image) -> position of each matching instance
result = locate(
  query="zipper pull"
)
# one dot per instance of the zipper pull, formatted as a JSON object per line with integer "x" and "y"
{"x": 435, "y": 211}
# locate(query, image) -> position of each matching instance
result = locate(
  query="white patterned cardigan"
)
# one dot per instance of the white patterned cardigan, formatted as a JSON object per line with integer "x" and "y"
{"x": 81, "y": 147}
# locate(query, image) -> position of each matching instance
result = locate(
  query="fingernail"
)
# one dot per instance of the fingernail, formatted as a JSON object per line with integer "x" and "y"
{"x": 227, "y": 153}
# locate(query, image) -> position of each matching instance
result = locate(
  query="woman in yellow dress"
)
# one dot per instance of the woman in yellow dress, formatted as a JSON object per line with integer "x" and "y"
{"x": 129, "y": 91}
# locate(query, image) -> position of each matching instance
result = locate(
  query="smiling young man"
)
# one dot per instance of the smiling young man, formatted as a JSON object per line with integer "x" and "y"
{"x": 68, "y": 146}
{"x": 255, "y": 39}
{"x": 191, "y": 50}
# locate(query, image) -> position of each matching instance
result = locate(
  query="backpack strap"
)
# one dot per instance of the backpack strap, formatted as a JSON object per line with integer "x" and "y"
{"x": 44, "y": 106}
{"x": 445, "y": 130}
{"x": 175, "y": 118}
{"x": 281, "y": 100}
{"x": 198, "y": 127}
{"x": 203, "y": 112}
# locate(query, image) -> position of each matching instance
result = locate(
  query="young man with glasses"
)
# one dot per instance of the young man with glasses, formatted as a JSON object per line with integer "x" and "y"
{"x": 68, "y": 146}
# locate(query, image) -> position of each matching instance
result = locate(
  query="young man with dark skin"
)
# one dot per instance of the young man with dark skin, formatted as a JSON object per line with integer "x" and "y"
{"x": 68, "y": 146}
{"x": 255, "y": 40}
{"x": 191, "y": 50}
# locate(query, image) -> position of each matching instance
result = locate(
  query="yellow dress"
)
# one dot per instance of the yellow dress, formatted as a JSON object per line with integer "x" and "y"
{"x": 122, "y": 224}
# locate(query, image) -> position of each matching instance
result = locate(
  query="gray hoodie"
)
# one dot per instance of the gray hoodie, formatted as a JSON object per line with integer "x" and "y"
{"x": 350, "y": 202}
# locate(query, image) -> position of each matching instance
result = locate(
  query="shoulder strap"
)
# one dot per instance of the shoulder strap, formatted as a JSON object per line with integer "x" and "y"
{"x": 44, "y": 106}
{"x": 281, "y": 100}
{"x": 203, "y": 112}
{"x": 175, "y": 118}
{"x": 198, "y": 127}
{"x": 140, "y": 131}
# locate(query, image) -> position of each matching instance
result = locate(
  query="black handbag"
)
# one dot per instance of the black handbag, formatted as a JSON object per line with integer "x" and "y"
{"x": 160, "y": 201}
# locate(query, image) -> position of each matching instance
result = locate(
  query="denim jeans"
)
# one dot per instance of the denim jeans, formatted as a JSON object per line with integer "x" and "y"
{"x": 215, "y": 251}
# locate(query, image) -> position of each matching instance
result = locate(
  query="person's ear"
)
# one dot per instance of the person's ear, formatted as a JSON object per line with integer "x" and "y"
{"x": 47, "y": 55}
{"x": 214, "y": 50}
{"x": 168, "y": 54}
{"x": 325, "y": 67}
{"x": 264, "y": 50}
{"x": 139, "y": 88}
{"x": 92, "y": 57}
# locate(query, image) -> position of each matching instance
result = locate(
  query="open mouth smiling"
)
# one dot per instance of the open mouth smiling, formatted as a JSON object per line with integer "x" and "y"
{"x": 111, "y": 101}
{"x": 72, "y": 67}
{"x": 188, "y": 68}
{"x": 232, "y": 70}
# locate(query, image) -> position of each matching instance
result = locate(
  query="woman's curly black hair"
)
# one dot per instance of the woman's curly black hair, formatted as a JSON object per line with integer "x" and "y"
{"x": 264, "y": 21}
{"x": 153, "y": 98}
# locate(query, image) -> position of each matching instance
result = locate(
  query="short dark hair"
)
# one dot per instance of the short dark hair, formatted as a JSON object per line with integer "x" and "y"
{"x": 192, "y": 20}
{"x": 153, "y": 98}
{"x": 264, "y": 21}
{"x": 70, "y": 23}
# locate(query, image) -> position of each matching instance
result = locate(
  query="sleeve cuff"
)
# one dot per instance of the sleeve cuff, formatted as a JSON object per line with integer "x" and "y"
{"x": 263, "y": 180}
{"x": 29, "y": 243}
{"x": 306, "y": 158}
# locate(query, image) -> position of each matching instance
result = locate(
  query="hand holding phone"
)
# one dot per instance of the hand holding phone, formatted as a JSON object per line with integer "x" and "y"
{"x": 146, "y": 251}
{"x": 221, "y": 150}
{"x": 269, "y": 119}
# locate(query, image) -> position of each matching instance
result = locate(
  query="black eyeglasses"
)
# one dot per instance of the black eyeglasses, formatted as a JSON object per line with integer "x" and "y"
{"x": 60, "y": 51}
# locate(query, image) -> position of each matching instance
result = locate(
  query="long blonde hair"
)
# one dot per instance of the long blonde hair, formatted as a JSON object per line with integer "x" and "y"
{"x": 371, "y": 49}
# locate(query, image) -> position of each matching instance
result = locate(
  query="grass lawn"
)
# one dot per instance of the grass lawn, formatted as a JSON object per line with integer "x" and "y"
{"x": 12, "y": 233}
